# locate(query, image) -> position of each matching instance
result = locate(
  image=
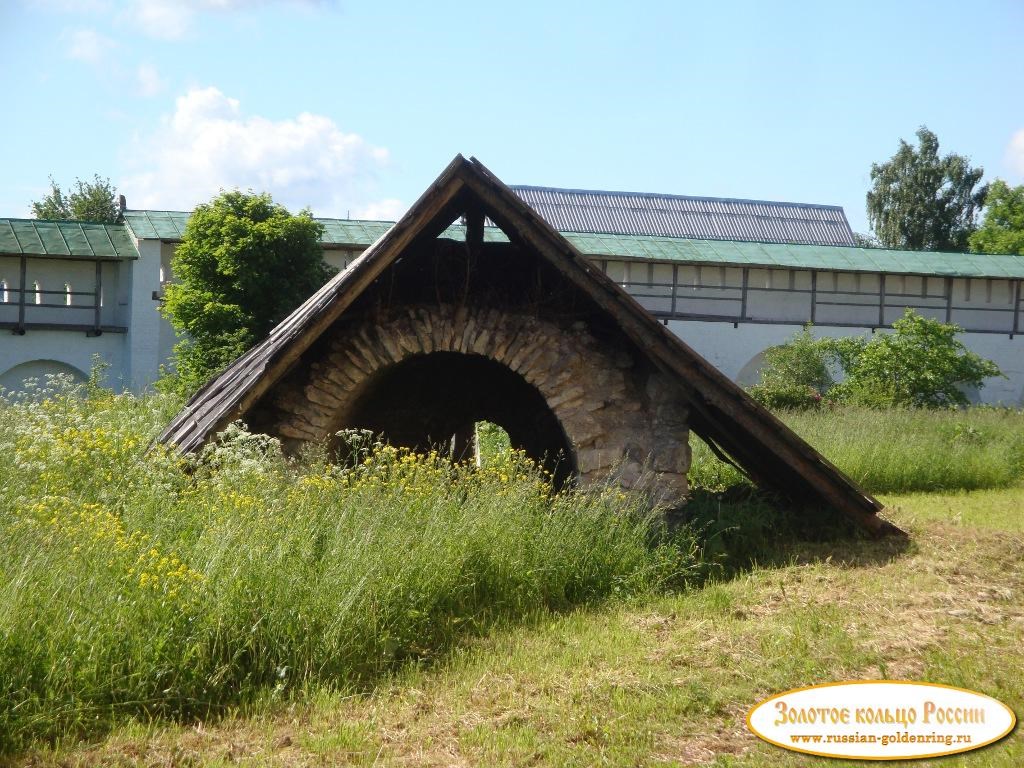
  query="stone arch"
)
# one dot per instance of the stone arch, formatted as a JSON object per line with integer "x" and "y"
{"x": 750, "y": 374}
{"x": 470, "y": 282}
{"x": 618, "y": 416}
{"x": 13, "y": 379}
{"x": 437, "y": 397}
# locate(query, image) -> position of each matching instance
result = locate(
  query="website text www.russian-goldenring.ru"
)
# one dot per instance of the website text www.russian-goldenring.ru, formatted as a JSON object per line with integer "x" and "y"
{"x": 904, "y": 737}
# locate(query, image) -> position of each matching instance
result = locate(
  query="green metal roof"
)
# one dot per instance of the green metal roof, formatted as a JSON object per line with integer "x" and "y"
{"x": 157, "y": 225}
{"x": 169, "y": 225}
{"x": 820, "y": 257}
{"x": 68, "y": 239}
{"x": 360, "y": 234}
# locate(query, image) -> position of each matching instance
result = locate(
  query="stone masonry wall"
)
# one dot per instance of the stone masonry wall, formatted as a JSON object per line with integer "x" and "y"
{"x": 620, "y": 418}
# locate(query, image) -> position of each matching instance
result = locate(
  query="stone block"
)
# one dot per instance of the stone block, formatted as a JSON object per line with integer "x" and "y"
{"x": 565, "y": 396}
{"x": 590, "y": 460}
{"x": 319, "y": 392}
{"x": 630, "y": 474}
{"x": 671, "y": 456}
{"x": 390, "y": 344}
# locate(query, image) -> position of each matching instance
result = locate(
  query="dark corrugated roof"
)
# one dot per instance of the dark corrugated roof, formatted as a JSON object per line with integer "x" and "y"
{"x": 623, "y": 213}
{"x": 705, "y": 218}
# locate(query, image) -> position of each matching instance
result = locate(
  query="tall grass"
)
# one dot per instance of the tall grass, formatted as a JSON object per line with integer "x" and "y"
{"x": 133, "y": 583}
{"x": 894, "y": 451}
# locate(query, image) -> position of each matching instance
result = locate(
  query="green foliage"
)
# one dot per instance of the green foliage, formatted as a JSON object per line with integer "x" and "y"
{"x": 1002, "y": 229}
{"x": 136, "y": 584}
{"x": 709, "y": 473}
{"x": 243, "y": 265}
{"x": 921, "y": 201}
{"x": 89, "y": 201}
{"x": 795, "y": 374}
{"x": 920, "y": 364}
{"x": 862, "y": 240}
{"x": 494, "y": 442}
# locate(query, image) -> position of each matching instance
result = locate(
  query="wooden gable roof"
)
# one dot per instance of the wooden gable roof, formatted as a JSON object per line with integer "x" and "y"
{"x": 721, "y": 413}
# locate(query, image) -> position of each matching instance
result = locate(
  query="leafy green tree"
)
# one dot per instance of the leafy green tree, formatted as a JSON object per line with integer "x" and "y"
{"x": 795, "y": 374}
{"x": 920, "y": 364}
{"x": 862, "y": 240}
{"x": 88, "y": 201}
{"x": 921, "y": 201}
{"x": 243, "y": 265}
{"x": 1002, "y": 229}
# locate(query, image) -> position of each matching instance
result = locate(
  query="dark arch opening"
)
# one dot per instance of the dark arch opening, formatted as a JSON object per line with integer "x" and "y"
{"x": 427, "y": 400}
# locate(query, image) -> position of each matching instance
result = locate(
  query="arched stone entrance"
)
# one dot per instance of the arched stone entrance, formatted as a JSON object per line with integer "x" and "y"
{"x": 435, "y": 400}
{"x": 439, "y": 290}
{"x": 420, "y": 374}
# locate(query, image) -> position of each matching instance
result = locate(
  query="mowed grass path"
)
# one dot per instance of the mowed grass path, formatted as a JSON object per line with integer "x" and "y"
{"x": 668, "y": 681}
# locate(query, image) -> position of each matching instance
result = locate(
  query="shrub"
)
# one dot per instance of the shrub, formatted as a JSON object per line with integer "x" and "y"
{"x": 795, "y": 374}
{"x": 920, "y": 364}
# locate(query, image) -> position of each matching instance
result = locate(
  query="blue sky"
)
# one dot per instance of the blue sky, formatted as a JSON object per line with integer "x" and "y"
{"x": 353, "y": 108}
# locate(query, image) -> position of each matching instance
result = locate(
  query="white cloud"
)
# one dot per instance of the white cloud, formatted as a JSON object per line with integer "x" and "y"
{"x": 389, "y": 209}
{"x": 1015, "y": 152}
{"x": 208, "y": 144}
{"x": 73, "y": 6}
{"x": 148, "y": 80}
{"x": 175, "y": 19}
{"x": 86, "y": 45}
{"x": 162, "y": 19}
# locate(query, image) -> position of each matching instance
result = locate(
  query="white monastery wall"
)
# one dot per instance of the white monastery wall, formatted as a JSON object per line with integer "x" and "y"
{"x": 143, "y": 358}
{"x": 729, "y": 314}
{"x": 739, "y": 352}
{"x": 38, "y": 353}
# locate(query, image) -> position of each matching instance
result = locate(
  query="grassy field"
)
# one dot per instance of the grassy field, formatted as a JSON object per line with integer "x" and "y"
{"x": 900, "y": 451}
{"x": 405, "y": 611}
{"x": 667, "y": 680}
{"x": 137, "y": 584}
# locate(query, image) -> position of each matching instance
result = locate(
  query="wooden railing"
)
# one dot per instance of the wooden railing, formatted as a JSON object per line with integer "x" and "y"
{"x": 80, "y": 310}
{"x": 734, "y": 303}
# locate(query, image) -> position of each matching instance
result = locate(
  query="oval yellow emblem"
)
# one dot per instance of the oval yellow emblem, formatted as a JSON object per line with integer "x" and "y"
{"x": 881, "y": 720}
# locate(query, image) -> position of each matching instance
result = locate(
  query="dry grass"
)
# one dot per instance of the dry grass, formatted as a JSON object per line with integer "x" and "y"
{"x": 668, "y": 681}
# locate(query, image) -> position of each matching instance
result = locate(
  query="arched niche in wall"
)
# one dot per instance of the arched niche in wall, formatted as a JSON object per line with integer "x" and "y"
{"x": 750, "y": 374}
{"x": 13, "y": 379}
